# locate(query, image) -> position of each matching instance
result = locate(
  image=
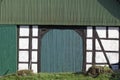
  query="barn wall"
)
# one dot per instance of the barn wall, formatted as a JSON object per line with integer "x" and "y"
{"x": 28, "y": 55}
{"x": 109, "y": 37}
{"x": 28, "y": 49}
{"x": 8, "y": 48}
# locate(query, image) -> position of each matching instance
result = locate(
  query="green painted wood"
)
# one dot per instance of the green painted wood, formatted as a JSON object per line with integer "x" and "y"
{"x": 61, "y": 51}
{"x": 8, "y": 47}
{"x": 60, "y": 12}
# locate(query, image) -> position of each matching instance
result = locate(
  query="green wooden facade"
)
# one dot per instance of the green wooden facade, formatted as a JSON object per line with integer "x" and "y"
{"x": 8, "y": 49}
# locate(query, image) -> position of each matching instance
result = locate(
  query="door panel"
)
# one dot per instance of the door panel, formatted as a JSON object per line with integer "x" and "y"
{"x": 61, "y": 51}
{"x": 8, "y": 50}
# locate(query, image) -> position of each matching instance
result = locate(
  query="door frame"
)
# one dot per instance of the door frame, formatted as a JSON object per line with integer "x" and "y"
{"x": 81, "y": 30}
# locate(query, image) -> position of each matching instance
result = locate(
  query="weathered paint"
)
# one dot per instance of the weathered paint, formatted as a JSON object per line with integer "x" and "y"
{"x": 8, "y": 49}
{"x": 60, "y": 12}
{"x": 61, "y": 51}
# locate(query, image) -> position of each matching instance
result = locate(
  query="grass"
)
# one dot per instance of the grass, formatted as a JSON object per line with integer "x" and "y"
{"x": 60, "y": 76}
{"x": 70, "y": 76}
{"x": 103, "y": 73}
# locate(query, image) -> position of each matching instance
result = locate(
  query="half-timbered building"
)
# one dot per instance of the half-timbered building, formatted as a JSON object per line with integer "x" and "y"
{"x": 59, "y": 35}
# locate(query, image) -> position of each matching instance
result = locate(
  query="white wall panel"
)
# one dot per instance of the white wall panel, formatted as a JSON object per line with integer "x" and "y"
{"x": 111, "y": 45}
{"x": 34, "y": 43}
{"x": 113, "y": 32}
{"x": 89, "y": 44}
{"x": 88, "y": 66}
{"x": 23, "y": 43}
{"x": 101, "y": 32}
{"x": 100, "y": 58}
{"x": 23, "y": 56}
{"x": 34, "y": 68}
{"x": 102, "y": 65}
{"x": 89, "y": 32}
{"x": 113, "y": 57}
{"x": 89, "y": 57}
{"x": 97, "y": 45}
{"x": 35, "y": 31}
{"x": 34, "y": 56}
{"x": 24, "y": 30}
{"x": 23, "y": 66}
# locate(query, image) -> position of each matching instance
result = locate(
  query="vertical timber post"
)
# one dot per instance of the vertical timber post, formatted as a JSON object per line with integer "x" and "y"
{"x": 119, "y": 47}
{"x": 39, "y": 49}
{"x": 84, "y": 49}
{"x": 93, "y": 57}
{"x": 30, "y": 48}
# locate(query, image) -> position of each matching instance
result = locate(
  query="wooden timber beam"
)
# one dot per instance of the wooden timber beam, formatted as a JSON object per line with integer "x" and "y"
{"x": 97, "y": 37}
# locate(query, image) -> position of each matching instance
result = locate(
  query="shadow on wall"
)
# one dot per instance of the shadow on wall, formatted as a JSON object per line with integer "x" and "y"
{"x": 113, "y": 6}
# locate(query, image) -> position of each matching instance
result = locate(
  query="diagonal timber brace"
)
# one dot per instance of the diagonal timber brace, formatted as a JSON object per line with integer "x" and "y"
{"x": 97, "y": 37}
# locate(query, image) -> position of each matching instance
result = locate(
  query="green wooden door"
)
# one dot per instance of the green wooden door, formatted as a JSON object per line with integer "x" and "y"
{"x": 8, "y": 49}
{"x": 61, "y": 51}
